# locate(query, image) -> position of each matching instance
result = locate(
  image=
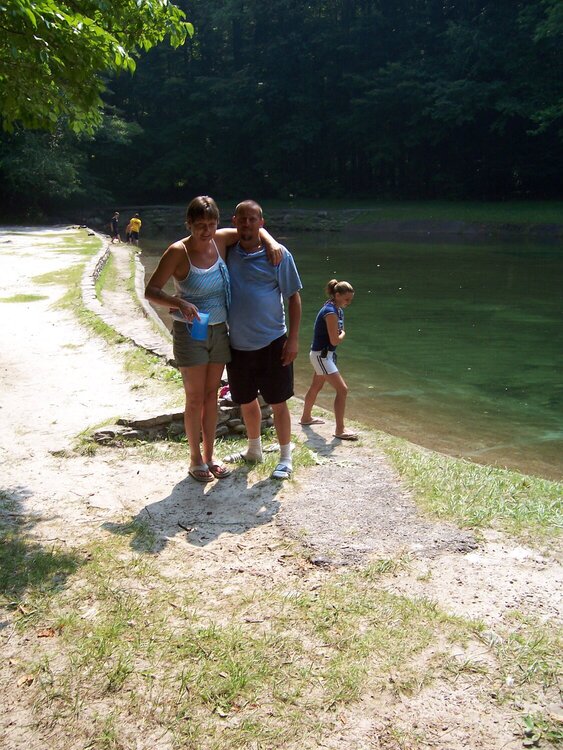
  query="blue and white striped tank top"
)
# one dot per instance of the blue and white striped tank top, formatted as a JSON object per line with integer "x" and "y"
{"x": 207, "y": 288}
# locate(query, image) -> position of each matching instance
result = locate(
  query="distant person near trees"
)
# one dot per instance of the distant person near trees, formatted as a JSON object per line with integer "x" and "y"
{"x": 197, "y": 267}
{"x": 114, "y": 226}
{"x": 328, "y": 333}
{"x": 134, "y": 228}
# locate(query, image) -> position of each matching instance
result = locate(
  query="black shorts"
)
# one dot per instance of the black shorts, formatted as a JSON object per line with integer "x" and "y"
{"x": 260, "y": 371}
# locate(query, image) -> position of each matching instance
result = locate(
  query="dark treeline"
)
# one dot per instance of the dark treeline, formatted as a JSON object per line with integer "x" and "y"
{"x": 340, "y": 98}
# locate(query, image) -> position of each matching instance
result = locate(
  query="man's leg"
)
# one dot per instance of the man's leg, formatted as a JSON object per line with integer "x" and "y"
{"x": 244, "y": 392}
{"x": 282, "y": 424}
{"x": 252, "y": 416}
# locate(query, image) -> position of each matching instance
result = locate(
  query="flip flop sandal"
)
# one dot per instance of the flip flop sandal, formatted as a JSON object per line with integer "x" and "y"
{"x": 281, "y": 472}
{"x": 347, "y": 436}
{"x": 314, "y": 420}
{"x": 196, "y": 473}
{"x": 218, "y": 470}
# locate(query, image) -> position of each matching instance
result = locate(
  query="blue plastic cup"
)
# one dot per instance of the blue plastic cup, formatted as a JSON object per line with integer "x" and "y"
{"x": 198, "y": 329}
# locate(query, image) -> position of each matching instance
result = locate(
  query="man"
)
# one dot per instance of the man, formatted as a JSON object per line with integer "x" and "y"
{"x": 262, "y": 347}
{"x": 134, "y": 228}
{"x": 114, "y": 226}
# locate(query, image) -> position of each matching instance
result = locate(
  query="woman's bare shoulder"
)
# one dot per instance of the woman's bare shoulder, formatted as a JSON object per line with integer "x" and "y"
{"x": 177, "y": 247}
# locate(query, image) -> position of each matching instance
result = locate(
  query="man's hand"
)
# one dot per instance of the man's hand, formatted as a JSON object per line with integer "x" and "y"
{"x": 289, "y": 352}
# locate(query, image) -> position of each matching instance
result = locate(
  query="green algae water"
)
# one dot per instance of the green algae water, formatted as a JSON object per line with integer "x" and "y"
{"x": 453, "y": 345}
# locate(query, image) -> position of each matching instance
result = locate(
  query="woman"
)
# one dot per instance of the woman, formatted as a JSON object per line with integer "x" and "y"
{"x": 201, "y": 282}
{"x": 328, "y": 333}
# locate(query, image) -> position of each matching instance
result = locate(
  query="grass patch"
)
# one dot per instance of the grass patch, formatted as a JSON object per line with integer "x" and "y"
{"x": 529, "y": 669}
{"x": 538, "y": 727}
{"x": 23, "y": 298}
{"x": 108, "y": 278}
{"x": 61, "y": 277}
{"x": 30, "y": 575}
{"x": 185, "y": 658}
{"x": 479, "y": 496}
{"x": 258, "y": 665}
{"x": 529, "y": 654}
{"x": 71, "y": 278}
{"x": 369, "y": 210}
{"x": 143, "y": 364}
{"x": 130, "y": 286}
{"x": 86, "y": 245}
{"x": 509, "y": 212}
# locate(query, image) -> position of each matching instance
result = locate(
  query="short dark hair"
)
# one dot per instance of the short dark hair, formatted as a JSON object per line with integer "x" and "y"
{"x": 202, "y": 207}
{"x": 249, "y": 204}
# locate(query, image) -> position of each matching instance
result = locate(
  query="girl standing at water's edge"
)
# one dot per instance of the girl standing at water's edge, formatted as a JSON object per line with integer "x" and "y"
{"x": 328, "y": 333}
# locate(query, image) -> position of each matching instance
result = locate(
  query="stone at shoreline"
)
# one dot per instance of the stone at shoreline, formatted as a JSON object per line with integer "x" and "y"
{"x": 171, "y": 425}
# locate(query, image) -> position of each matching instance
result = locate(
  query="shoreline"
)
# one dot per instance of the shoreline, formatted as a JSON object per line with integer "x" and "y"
{"x": 169, "y": 217}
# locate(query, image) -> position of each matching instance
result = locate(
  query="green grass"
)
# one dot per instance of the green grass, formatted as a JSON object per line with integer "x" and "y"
{"x": 504, "y": 212}
{"x": 510, "y": 212}
{"x": 23, "y": 298}
{"x": 184, "y": 656}
{"x": 258, "y": 665}
{"x": 62, "y": 277}
{"x": 477, "y": 496}
{"x": 138, "y": 362}
{"x": 108, "y": 278}
{"x": 31, "y": 574}
{"x": 79, "y": 245}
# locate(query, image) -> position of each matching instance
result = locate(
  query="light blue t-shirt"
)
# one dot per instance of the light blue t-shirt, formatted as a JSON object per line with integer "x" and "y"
{"x": 256, "y": 315}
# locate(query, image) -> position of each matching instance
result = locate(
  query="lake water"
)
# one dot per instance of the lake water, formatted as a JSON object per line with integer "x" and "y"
{"x": 453, "y": 345}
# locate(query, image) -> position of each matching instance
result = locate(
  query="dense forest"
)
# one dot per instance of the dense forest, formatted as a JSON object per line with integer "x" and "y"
{"x": 329, "y": 98}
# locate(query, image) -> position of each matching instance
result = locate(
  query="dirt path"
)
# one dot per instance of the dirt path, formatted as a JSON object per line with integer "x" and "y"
{"x": 57, "y": 379}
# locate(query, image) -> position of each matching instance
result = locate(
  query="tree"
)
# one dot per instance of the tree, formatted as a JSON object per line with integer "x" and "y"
{"x": 54, "y": 55}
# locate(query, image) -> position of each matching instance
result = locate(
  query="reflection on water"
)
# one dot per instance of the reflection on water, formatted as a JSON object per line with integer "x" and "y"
{"x": 456, "y": 346}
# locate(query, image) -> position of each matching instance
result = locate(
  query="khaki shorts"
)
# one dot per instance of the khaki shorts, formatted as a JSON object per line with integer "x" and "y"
{"x": 189, "y": 353}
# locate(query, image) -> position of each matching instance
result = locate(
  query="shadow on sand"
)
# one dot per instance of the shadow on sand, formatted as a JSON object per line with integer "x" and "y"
{"x": 203, "y": 512}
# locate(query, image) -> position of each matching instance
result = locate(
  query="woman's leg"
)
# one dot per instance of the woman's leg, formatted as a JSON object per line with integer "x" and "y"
{"x": 209, "y": 411}
{"x": 337, "y": 382}
{"x": 194, "y": 379}
{"x": 311, "y": 396}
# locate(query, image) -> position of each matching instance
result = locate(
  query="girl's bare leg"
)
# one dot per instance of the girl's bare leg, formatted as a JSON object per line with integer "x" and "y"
{"x": 337, "y": 382}
{"x": 311, "y": 396}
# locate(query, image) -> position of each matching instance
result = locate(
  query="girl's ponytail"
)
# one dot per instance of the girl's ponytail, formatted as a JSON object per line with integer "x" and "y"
{"x": 341, "y": 287}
